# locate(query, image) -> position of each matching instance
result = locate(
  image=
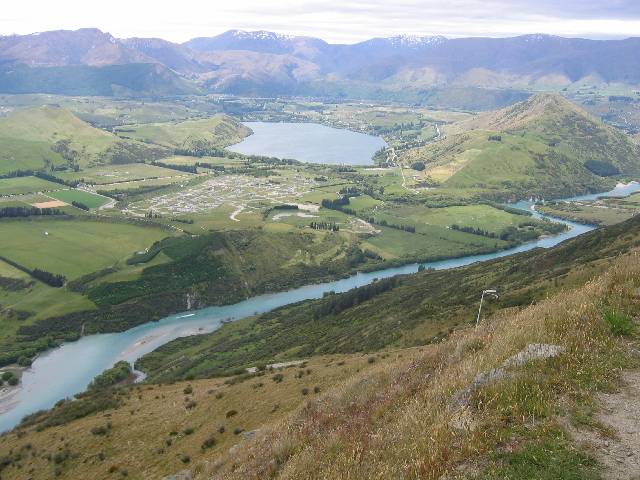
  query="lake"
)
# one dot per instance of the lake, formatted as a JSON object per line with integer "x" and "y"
{"x": 310, "y": 143}
{"x": 68, "y": 369}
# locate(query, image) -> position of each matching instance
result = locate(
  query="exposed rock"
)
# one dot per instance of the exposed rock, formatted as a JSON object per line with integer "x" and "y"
{"x": 182, "y": 475}
{"x": 533, "y": 351}
{"x": 250, "y": 433}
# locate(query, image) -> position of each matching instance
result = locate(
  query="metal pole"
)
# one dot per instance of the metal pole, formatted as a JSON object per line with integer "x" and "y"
{"x": 479, "y": 310}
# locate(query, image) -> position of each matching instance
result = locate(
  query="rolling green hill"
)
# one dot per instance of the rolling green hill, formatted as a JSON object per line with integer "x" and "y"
{"x": 542, "y": 146}
{"x": 50, "y": 136}
{"x": 193, "y": 136}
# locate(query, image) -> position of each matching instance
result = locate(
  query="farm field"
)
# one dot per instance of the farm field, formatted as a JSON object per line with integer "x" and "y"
{"x": 190, "y": 160}
{"x": 599, "y": 212}
{"x": 91, "y": 200}
{"x": 148, "y": 182}
{"x": 109, "y": 174}
{"x": 22, "y": 185}
{"x": 73, "y": 247}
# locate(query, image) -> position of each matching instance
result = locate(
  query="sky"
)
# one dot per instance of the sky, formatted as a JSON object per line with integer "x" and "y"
{"x": 336, "y": 21}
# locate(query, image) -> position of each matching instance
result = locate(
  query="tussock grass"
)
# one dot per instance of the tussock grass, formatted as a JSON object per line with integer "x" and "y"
{"x": 397, "y": 419}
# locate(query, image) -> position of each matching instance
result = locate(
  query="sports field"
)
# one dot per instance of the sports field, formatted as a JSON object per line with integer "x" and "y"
{"x": 72, "y": 195}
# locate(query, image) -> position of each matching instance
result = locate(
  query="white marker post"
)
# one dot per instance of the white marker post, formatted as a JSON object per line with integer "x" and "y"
{"x": 493, "y": 294}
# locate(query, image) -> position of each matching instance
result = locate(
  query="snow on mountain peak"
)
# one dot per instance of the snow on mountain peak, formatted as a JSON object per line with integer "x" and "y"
{"x": 415, "y": 41}
{"x": 260, "y": 35}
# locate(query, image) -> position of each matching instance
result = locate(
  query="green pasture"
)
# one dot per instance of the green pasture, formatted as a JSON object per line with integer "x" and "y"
{"x": 73, "y": 247}
{"x": 91, "y": 200}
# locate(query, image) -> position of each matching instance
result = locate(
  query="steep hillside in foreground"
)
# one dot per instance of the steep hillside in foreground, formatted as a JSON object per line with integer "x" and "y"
{"x": 48, "y": 136}
{"x": 543, "y": 146}
{"x": 510, "y": 399}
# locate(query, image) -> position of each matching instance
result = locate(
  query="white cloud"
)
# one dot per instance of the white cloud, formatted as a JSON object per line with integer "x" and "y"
{"x": 334, "y": 20}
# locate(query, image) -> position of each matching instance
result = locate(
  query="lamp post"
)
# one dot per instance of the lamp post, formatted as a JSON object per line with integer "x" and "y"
{"x": 492, "y": 294}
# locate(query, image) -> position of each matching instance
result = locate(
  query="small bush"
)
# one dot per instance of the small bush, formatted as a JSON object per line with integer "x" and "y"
{"x": 278, "y": 377}
{"x": 219, "y": 395}
{"x": 60, "y": 457}
{"x": 231, "y": 413}
{"x": 305, "y": 391}
{"x": 371, "y": 359}
{"x": 221, "y": 429}
{"x": 24, "y": 361}
{"x": 185, "y": 459}
{"x": 316, "y": 389}
{"x": 238, "y": 431}
{"x": 189, "y": 430}
{"x": 208, "y": 443}
{"x": 191, "y": 404}
{"x": 101, "y": 430}
{"x": 619, "y": 322}
{"x": 188, "y": 390}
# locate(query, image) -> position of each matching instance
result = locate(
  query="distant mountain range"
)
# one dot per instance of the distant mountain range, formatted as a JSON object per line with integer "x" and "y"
{"x": 89, "y": 61}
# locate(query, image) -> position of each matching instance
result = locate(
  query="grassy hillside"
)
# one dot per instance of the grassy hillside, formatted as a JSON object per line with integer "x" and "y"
{"x": 417, "y": 309}
{"x": 430, "y": 413}
{"x": 449, "y": 415}
{"x": 46, "y": 137}
{"x": 173, "y": 426}
{"x": 542, "y": 146}
{"x": 189, "y": 135}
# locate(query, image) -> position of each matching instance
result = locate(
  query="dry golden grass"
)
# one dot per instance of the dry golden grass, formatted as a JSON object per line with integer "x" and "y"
{"x": 136, "y": 443}
{"x": 397, "y": 419}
